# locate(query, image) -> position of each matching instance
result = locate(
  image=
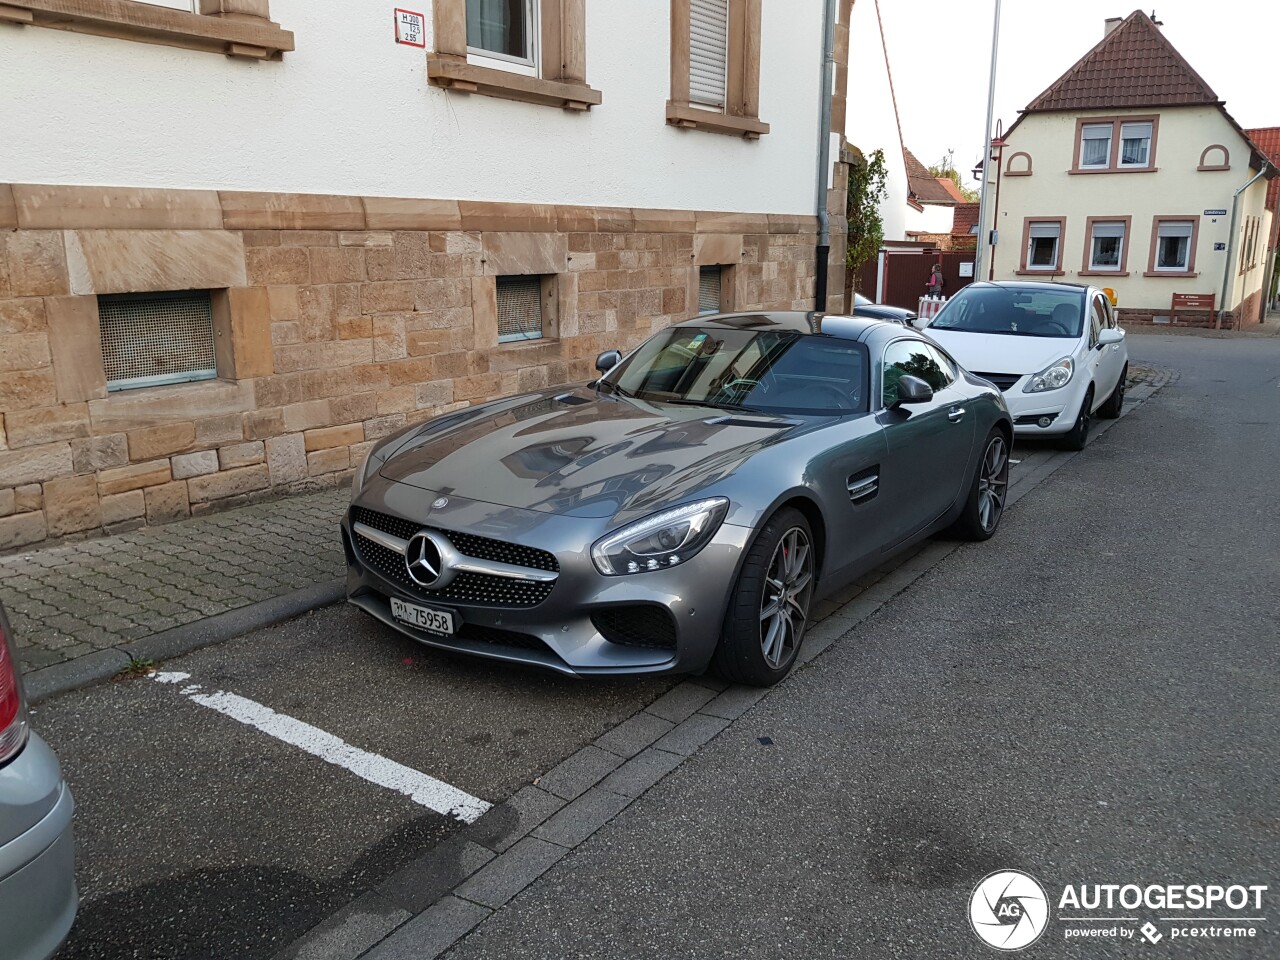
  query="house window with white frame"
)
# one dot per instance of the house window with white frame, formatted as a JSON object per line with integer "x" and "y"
{"x": 1095, "y": 146}
{"x": 503, "y": 31}
{"x": 1043, "y": 242}
{"x": 1106, "y": 246}
{"x": 1173, "y": 246}
{"x": 1135, "y": 144}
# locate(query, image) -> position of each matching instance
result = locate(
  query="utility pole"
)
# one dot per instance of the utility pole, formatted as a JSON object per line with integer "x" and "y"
{"x": 984, "y": 237}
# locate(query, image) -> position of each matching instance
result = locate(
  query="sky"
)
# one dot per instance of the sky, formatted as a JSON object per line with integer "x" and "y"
{"x": 941, "y": 58}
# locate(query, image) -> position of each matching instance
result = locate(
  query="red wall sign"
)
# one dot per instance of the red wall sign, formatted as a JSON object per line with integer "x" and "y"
{"x": 410, "y": 28}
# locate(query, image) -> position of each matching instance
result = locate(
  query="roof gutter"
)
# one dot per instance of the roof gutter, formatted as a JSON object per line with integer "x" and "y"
{"x": 824, "y": 155}
{"x": 1231, "y": 241}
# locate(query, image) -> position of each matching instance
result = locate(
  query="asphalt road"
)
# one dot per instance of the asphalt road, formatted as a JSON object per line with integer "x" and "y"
{"x": 201, "y": 837}
{"x": 1094, "y": 700}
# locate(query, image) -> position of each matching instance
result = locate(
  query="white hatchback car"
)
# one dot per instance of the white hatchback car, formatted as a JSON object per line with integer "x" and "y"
{"x": 1054, "y": 350}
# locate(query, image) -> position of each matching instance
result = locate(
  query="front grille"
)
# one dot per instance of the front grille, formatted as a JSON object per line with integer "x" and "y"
{"x": 480, "y": 589}
{"x": 1002, "y": 380}
{"x": 642, "y": 625}
{"x": 482, "y": 548}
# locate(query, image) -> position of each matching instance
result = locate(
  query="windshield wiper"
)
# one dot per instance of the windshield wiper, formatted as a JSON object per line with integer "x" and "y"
{"x": 706, "y": 403}
{"x": 614, "y": 389}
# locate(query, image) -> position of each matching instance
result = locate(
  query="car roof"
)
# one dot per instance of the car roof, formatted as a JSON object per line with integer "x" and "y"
{"x": 863, "y": 329}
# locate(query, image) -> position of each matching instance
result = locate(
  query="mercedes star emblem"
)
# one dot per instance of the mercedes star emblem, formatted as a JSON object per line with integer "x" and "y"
{"x": 439, "y": 503}
{"x": 424, "y": 558}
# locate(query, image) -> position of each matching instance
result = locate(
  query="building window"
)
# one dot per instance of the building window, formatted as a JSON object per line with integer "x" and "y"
{"x": 1111, "y": 144}
{"x": 709, "y": 283}
{"x": 708, "y": 52}
{"x": 520, "y": 308}
{"x": 1106, "y": 246}
{"x": 1044, "y": 242}
{"x": 502, "y": 29}
{"x": 1095, "y": 145}
{"x": 156, "y": 338}
{"x": 1173, "y": 246}
{"x": 1135, "y": 144}
{"x": 715, "y": 67}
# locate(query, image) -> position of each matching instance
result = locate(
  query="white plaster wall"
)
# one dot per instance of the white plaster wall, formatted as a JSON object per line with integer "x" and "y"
{"x": 350, "y": 112}
{"x": 1175, "y": 189}
{"x": 934, "y": 218}
{"x": 871, "y": 123}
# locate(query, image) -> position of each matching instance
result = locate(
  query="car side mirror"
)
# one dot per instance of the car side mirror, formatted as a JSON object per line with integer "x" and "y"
{"x": 608, "y": 360}
{"x": 913, "y": 390}
{"x": 1109, "y": 336}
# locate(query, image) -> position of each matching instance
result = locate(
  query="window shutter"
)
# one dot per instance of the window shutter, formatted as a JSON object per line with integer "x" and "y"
{"x": 708, "y": 290}
{"x": 154, "y": 338}
{"x": 1108, "y": 229}
{"x": 708, "y": 51}
{"x": 519, "y": 308}
{"x": 1044, "y": 230}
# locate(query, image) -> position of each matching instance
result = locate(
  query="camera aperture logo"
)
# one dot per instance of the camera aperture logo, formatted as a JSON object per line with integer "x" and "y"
{"x": 1008, "y": 910}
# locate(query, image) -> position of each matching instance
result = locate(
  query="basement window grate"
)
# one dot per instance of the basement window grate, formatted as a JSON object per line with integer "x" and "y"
{"x": 156, "y": 338}
{"x": 519, "y": 309}
{"x": 708, "y": 290}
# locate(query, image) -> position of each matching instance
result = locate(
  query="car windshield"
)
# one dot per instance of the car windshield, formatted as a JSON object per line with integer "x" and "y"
{"x": 776, "y": 371}
{"x": 1013, "y": 311}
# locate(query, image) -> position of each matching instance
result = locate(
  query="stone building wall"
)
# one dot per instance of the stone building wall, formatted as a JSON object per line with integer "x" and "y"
{"x": 337, "y": 321}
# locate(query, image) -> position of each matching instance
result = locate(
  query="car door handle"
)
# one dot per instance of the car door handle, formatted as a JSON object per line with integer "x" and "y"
{"x": 956, "y": 414}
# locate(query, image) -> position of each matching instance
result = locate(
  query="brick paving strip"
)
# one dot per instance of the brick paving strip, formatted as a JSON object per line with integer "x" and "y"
{"x": 426, "y": 907}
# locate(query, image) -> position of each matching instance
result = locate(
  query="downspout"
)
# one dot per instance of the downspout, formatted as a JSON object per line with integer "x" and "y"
{"x": 1231, "y": 242}
{"x": 824, "y": 155}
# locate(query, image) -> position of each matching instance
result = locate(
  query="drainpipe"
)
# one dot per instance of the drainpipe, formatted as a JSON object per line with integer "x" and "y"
{"x": 824, "y": 154}
{"x": 1231, "y": 242}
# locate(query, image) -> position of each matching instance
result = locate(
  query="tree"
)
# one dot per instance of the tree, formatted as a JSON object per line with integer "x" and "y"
{"x": 867, "y": 190}
{"x": 946, "y": 167}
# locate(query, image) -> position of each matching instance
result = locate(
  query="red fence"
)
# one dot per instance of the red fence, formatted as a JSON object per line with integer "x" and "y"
{"x": 899, "y": 277}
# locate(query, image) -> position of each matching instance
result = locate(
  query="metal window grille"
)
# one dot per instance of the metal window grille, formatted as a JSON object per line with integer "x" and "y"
{"x": 154, "y": 338}
{"x": 519, "y": 308}
{"x": 708, "y": 290}
{"x": 708, "y": 51}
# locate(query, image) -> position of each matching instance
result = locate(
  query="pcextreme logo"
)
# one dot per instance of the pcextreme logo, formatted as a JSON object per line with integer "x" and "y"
{"x": 1009, "y": 910}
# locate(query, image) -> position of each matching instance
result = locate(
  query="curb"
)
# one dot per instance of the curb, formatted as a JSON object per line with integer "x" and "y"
{"x": 441, "y": 896}
{"x": 103, "y": 664}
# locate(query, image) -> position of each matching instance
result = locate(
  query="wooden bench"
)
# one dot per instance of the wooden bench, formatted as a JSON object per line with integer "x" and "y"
{"x": 1198, "y": 302}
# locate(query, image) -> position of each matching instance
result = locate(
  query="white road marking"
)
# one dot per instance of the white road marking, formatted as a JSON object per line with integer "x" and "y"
{"x": 418, "y": 787}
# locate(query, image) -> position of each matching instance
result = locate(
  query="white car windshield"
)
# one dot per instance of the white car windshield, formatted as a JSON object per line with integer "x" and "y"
{"x": 1014, "y": 312}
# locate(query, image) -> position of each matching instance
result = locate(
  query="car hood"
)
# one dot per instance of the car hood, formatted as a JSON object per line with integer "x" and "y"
{"x": 581, "y": 454}
{"x": 997, "y": 353}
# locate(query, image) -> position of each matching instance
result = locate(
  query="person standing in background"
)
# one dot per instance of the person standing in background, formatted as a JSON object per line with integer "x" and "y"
{"x": 934, "y": 286}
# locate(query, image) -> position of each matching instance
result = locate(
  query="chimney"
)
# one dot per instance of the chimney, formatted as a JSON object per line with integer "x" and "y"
{"x": 1110, "y": 24}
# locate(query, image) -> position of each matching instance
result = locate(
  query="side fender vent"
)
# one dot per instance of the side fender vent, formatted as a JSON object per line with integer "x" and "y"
{"x": 864, "y": 486}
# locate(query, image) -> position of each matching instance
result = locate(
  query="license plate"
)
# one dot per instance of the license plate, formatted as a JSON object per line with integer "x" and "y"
{"x": 424, "y": 618}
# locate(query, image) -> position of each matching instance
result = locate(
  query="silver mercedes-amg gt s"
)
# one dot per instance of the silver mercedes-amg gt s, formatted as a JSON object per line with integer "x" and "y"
{"x": 685, "y": 509}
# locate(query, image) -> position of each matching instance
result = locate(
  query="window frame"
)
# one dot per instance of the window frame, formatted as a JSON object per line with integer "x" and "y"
{"x": 1193, "y": 241}
{"x": 528, "y": 65}
{"x": 213, "y": 29}
{"x": 1114, "y": 164}
{"x": 1057, "y": 270}
{"x": 557, "y": 39}
{"x": 1088, "y": 268}
{"x": 740, "y": 116}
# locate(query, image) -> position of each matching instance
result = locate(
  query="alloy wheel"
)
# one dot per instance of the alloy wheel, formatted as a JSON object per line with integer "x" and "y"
{"x": 784, "y": 608}
{"x": 993, "y": 483}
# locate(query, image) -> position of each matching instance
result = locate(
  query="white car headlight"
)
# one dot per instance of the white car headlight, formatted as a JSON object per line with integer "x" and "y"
{"x": 660, "y": 541}
{"x": 1054, "y": 377}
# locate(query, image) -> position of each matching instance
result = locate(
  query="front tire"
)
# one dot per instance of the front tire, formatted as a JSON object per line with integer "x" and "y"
{"x": 1078, "y": 435}
{"x": 1112, "y": 406}
{"x": 769, "y": 605}
{"x": 985, "y": 503}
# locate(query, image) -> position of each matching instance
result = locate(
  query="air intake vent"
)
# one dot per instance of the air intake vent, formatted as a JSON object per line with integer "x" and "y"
{"x": 154, "y": 338}
{"x": 570, "y": 400}
{"x": 708, "y": 290}
{"x": 519, "y": 308}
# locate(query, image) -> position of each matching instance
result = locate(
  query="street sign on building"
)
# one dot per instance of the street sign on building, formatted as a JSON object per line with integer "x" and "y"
{"x": 410, "y": 28}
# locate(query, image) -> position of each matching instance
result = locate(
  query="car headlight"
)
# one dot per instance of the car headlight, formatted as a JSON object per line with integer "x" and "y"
{"x": 1054, "y": 377}
{"x": 660, "y": 541}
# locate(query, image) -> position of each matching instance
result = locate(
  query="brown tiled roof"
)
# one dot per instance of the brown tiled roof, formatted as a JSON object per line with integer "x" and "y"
{"x": 1133, "y": 66}
{"x": 1267, "y": 140}
{"x": 923, "y": 185}
{"x": 949, "y": 185}
{"x": 966, "y": 217}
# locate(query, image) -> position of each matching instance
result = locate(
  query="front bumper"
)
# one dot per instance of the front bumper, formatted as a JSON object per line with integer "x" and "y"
{"x": 38, "y": 895}
{"x": 561, "y": 632}
{"x": 1059, "y": 406}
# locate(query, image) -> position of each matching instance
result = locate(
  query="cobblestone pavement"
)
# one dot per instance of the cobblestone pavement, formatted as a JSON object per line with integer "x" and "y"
{"x": 69, "y": 600}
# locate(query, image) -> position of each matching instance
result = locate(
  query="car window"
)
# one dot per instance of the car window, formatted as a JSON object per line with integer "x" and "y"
{"x": 946, "y": 366}
{"x": 1097, "y": 320}
{"x": 914, "y": 358}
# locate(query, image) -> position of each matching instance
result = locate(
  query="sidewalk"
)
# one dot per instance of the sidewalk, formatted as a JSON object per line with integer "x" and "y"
{"x": 82, "y": 610}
